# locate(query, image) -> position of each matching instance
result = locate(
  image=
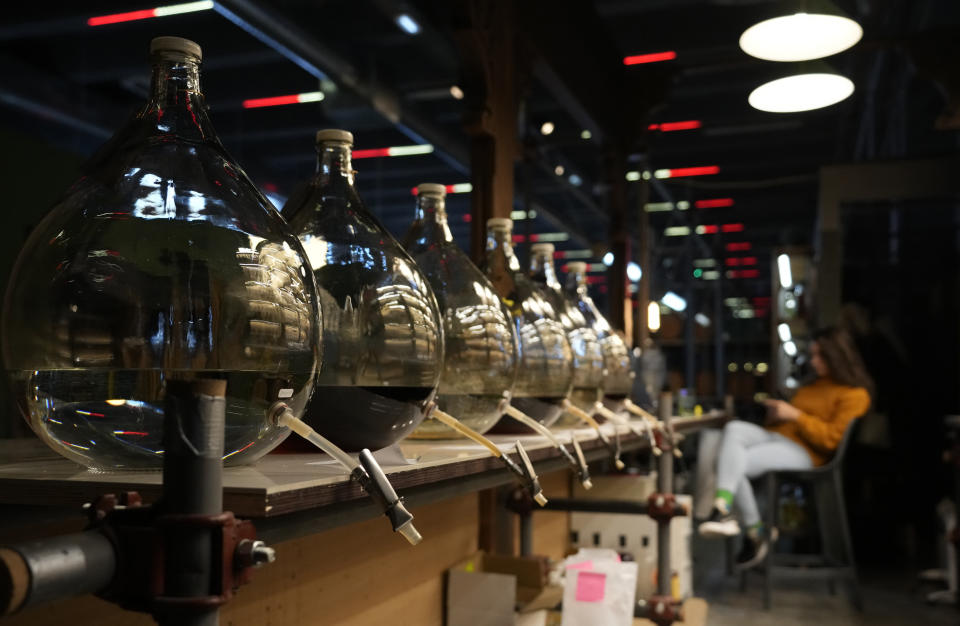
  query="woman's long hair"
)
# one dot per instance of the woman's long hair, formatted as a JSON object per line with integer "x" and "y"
{"x": 842, "y": 358}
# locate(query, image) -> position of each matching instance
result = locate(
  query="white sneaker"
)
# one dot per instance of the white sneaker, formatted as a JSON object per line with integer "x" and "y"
{"x": 719, "y": 524}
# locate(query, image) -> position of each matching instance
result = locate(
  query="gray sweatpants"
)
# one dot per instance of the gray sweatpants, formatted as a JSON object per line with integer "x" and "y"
{"x": 748, "y": 451}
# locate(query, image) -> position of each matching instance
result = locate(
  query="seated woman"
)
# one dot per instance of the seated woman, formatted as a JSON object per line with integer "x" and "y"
{"x": 798, "y": 435}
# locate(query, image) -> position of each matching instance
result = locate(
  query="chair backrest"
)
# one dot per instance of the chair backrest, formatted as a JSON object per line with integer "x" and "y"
{"x": 841, "y": 450}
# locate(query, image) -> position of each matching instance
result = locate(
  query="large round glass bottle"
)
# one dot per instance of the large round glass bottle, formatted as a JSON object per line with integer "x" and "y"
{"x": 480, "y": 353}
{"x": 162, "y": 262}
{"x": 545, "y": 371}
{"x": 618, "y": 376}
{"x": 588, "y": 366}
{"x": 382, "y": 336}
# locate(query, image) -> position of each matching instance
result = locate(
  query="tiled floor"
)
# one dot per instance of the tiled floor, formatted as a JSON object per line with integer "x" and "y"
{"x": 890, "y": 599}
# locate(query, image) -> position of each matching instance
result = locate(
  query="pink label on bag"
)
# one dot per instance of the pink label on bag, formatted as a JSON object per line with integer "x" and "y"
{"x": 590, "y": 586}
{"x": 588, "y": 565}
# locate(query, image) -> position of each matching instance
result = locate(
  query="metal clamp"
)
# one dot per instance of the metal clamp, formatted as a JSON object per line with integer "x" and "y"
{"x": 142, "y": 536}
{"x": 663, "y": 507}
{"x": 662, "y": 610}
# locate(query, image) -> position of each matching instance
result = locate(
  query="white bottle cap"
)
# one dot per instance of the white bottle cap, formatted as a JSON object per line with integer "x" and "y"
{"x": 576, "y": 267}
{"x": 176, "y": 45}
{"x": 335, "y": 135}
{"x": 543, "y": 248}
{"x": 433, "y": 189}
{"x": 500, "y": 223}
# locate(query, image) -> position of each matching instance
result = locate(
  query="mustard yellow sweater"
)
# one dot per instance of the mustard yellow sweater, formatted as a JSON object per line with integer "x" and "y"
{"x": 826, "y": 410}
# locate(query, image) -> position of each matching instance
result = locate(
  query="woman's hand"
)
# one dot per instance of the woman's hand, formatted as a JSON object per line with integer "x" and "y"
{"x": 780, "y": 411}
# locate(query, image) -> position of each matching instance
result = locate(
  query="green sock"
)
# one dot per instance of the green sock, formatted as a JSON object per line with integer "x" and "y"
{"x": 726, "y": 496}
{"x": 755, "y": 531}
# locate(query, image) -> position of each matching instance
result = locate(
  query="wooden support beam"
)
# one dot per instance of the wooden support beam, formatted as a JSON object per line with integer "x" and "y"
{"x": 642, "y": 332}
{"x": 486, "y": 38}
{"x": 621, "y": 309}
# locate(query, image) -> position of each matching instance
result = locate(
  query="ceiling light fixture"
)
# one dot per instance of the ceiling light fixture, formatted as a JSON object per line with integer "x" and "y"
{"x": 407, "y": 24}
{"x": 818, "y": 30}
{"x": 546, "y": 128}
{"x": 713, "y": 203}
{"x": 801, "y": 92}
{"x": 653, "y": 316}
{"x": 667, "y": 127}
{"x": 456, "y": 92}
{"x": 273, "y": 101}
{"x": 674, "y": 301}
{"x": 170, "y": 9}
{"x": 677, "y": 172}
{"x": 785, "y": 271}
{"x": 458, "y": 188}
{"x": 653, "y": 57}
{"x": 393, "y": 151}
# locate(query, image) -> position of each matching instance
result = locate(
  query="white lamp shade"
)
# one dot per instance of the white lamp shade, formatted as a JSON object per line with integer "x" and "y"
{"x": 800, "y": 37}
{"x": 802, "y": 92}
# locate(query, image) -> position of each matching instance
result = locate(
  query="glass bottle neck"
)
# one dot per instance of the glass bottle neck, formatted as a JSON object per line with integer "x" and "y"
{"x": 577, "y": 281}
{"x": 176, "y": 102}
{"x": 334, "y": 161}
{"x": 431, "y": 216}
{"x": 500, "y": 243}
{"x": 542, "y": 269}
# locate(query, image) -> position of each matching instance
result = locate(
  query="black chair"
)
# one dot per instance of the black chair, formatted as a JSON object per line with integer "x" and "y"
{"x": 836, "y": 561}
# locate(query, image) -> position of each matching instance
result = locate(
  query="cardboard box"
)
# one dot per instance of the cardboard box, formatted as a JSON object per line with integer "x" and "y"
{"x": 482, "y": 588}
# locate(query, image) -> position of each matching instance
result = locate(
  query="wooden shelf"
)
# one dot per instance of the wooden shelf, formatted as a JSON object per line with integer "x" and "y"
{"x": 293, "y": 495}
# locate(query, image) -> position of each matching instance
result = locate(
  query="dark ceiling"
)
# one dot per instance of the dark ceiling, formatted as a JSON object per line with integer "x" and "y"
{"x": 71, "y": 85}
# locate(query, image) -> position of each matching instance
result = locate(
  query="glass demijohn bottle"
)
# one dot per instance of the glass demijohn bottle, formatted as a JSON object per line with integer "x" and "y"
{"x": 480, "y": 355}
{"x": 588, "y": 370}
{"x": 618, "y": 376}
{"x": 382, "y": 336}
{"x": 162, "y": 262}
{"x": 545, "y": 371}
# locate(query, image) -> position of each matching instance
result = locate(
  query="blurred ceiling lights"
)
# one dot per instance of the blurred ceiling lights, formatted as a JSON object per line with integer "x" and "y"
{"x": 407, "y": 24}
{"x": 653, "y": 316}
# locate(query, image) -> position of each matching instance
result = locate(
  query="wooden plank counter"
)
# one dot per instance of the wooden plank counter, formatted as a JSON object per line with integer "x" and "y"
{"x": 296, "y": 494}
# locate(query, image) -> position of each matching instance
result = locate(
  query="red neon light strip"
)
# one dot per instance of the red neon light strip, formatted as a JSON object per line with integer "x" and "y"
{"x": 741, "y": 246}
{"x": 370, "y": 153}
{"x": 256, "y": 103}
{"x": 467, "y": 218}
{"x": 732, "y": 262}
{"x": 519, "y": 238}
{"x": 653, "y": 57}
{"x": 748, "y": 260}
{"x": 704, "y": 170}
{"x": 709, "y": 229}
{"x": 732, "y": 228}
{"x": 413, "y": 192}
{"x": 713, "y": 203}
{"x": 671, "y": 126}
{"x": 116, "y": 18}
